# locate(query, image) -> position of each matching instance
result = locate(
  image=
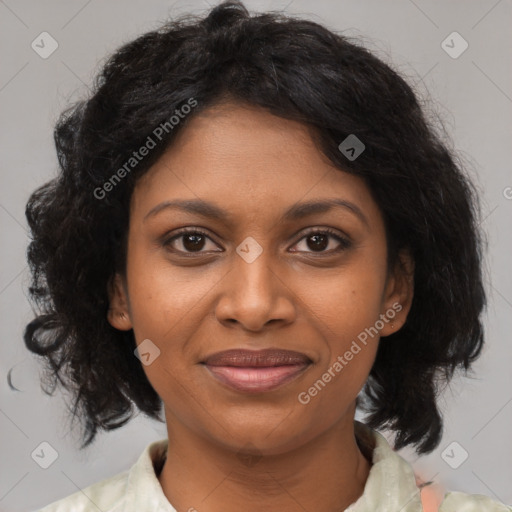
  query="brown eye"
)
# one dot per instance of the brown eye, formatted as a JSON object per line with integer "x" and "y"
{"x": 188, "y": 241}
{"x": 193, "y": 242}
{"x": 318, "y": 241}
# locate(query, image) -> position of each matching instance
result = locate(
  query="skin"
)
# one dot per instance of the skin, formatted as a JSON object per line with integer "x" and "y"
{"x": 294, "y": 296}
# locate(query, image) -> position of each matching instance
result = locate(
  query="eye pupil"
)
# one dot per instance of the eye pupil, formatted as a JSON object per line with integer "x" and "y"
{"x": 196, "y": 244}
{"x": 321, "y": 241}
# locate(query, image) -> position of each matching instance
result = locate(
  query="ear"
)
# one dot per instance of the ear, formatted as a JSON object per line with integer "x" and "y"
{"x": 398, "y": 294}
{"x": 119, "y": 312}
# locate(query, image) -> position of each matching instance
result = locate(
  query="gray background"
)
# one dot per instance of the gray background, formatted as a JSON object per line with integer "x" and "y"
{"x": 471, "y": 93}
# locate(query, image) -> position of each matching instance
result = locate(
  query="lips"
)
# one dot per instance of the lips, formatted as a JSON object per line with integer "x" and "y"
{"x": 257, "y": 359}
{"x": 256, "y": 371}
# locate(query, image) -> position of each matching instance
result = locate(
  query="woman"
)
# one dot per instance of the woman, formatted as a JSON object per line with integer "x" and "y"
{"x": 256, "y": 230}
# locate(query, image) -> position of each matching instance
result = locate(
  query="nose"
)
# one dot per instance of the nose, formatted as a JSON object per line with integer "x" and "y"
{"x": 254, "y": 294}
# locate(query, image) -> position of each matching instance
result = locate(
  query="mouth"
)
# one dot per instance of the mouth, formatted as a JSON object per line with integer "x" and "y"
{"x": 252, "y": 371}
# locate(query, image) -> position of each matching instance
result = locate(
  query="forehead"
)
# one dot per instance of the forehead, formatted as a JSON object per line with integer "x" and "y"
{"x": 246, "y": 160}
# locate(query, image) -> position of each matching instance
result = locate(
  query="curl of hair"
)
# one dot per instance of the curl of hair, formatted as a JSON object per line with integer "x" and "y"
{"x": 294, "y": 69}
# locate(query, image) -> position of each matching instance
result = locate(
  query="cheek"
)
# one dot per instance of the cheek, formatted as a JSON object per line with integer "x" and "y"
{"x": 350, "y": 348}
{"x": 163, "y": 305}
{"x": 349, "y": 299}
{"x": 164, "y": 300}
{"x": 163, "y": 309}
{"x": 346, "y": 308}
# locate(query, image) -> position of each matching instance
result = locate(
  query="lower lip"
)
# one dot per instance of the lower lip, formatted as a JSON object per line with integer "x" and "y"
{"x": 256, "y": 380}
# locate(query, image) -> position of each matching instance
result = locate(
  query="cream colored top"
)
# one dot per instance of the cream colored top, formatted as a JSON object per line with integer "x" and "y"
{"x": 390, "y": 487}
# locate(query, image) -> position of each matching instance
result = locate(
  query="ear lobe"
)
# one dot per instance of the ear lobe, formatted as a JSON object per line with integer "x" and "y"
{"x": 118, "y": 314}
{"x": 399, "y": 293}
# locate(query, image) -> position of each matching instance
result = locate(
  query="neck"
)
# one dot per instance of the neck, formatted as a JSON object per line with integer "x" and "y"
{"x": 328, "y": 473}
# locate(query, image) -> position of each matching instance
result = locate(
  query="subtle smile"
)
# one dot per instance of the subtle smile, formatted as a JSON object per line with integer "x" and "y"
{"x": 256, "y": 371}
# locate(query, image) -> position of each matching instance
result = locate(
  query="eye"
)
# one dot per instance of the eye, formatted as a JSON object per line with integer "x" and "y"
{"x": 190, "y": 240}
{"x": 318, "y": 240}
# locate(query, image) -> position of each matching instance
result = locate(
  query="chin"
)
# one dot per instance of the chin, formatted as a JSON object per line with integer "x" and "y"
{"x": 263, "y": 438}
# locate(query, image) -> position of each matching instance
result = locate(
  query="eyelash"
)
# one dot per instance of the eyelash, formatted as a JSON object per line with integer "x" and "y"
{"x": 344, "y": 242}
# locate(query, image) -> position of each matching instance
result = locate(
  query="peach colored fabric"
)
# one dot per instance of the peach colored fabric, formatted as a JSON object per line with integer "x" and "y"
{"x": 431, "y": 496}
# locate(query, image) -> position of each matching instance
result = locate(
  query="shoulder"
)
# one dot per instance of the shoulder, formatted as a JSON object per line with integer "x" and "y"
{"x": 462, "y": 502}
{"x": 392, "y": 480}
{"x": 105, "y": 495}
{"x": 133, "y": 490}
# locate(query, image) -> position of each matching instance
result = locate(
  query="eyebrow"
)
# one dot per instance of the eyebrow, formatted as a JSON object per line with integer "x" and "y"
{"x": 295, "y": 212}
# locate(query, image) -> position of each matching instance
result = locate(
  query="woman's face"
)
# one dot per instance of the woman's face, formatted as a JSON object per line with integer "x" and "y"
{"x": 256, "y": 278}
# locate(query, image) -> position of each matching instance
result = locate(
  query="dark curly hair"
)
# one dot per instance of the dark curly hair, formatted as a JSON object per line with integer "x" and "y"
{"x": 295, "y": 69}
